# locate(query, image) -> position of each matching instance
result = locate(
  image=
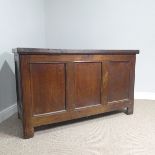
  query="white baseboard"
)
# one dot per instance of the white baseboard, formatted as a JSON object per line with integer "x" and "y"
{"x": 6, "y": 113}
{"x": 144, "y": 95}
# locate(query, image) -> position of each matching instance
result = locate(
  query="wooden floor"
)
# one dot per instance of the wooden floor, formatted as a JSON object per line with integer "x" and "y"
{"x": 111, "y": 134}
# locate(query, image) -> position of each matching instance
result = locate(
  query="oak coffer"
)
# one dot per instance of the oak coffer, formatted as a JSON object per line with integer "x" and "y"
{"x": 55, "y": 85}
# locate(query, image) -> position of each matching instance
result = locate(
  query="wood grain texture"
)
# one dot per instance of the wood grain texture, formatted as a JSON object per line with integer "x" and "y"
{"x": 57, "y": 87}
{"x": 28, "y": 128}
{"x": 36, "y": 51}
{"x": 70, "y": 84}
{"x": 78, "y": 58}
{"x": 87, "y": 84}
{"x": 119, "y": 80}
{"x": 104, "y": 84}
{"x": 48, "y": 87}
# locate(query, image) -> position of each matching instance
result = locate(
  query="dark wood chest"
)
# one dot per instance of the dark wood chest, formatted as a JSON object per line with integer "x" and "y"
{"x": 60, "y": 85}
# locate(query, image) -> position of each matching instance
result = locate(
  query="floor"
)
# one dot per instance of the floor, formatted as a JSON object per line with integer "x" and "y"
{"x": 112, "y": 134}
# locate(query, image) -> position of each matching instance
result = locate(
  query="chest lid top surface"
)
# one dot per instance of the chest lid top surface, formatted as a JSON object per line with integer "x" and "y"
{"x": 41, "y": 51}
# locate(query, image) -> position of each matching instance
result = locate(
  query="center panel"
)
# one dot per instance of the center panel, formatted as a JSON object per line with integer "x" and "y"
{"x": 87, "y": 84}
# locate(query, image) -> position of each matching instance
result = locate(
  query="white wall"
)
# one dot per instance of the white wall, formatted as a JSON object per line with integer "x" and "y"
{"x": 21, "y": 25}
{"x": 106, "y": 24}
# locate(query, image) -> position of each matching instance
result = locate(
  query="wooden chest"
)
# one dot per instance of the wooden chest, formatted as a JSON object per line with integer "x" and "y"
{"x": 60, "y": 85}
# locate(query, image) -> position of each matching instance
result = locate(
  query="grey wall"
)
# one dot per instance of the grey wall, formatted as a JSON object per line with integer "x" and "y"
{"x": 106, "y": 24}
{"x": 21, "y": 25}
{"x": 7, "y": 89}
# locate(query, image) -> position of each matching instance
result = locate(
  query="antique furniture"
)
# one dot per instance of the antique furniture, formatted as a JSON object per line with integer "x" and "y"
{"x": 55, "y": 85}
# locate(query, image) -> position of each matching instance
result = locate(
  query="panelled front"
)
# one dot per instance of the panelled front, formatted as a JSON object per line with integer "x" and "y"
{"x": 48, "y": 87}
{"x": 71, "y": 83}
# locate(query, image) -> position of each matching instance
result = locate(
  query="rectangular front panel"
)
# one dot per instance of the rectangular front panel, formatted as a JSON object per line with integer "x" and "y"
{"x": 48, "y": 87}
{"x": 119, "y": 80}
{"x": 87, "y": 84}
